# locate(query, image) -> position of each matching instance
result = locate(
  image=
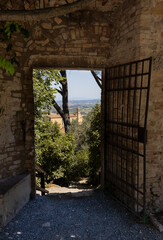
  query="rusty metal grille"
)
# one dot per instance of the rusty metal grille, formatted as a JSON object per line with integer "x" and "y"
{"x": 126, "y": 107}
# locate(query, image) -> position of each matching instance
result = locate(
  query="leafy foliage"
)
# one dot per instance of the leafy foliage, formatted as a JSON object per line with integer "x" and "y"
{"x": 44, "y": 91}
{"x": 69, "y": 156}
{"x": 10, "y": 28}
{"x": 6, "y": 34}
{"x": 8, "y": 66}
{"x": 80, "y": 133}
{"x": 88, "y": 144}
{"x": 44, "y": 131}
{"x": 55, "y": 152}
{"x": 79, "y": 166}
{"x": 94, "y": 142}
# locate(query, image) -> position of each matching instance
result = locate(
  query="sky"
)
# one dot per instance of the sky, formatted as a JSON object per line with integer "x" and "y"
{"x": 81, "y": 86}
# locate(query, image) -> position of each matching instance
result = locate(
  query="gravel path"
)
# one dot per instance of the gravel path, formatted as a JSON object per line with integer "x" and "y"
{"x": 63, "y": 217}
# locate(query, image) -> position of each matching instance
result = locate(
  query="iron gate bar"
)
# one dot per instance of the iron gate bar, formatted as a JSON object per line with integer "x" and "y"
{"x": 130, "y": 185}
{"x": 126, "y": 149}
{"x": 126, "y": 90}
{"x": 131, "y": 198}
{"x": 124, "y": 71}
{"x": 139, "y": 124}
{"x": 133, "y": 107}
{"x": 132, "y": 75}
{"x": 124, "y": 136}
{"x": 117, "y": 127}
{"x": 125, "y": 124}
{"x": 112, "y": 129}
{"x": 128, "y": 194}
{"x": 105, "y": 120}
{"x": 145, "y": 124}
{"x": 125, "y": 64}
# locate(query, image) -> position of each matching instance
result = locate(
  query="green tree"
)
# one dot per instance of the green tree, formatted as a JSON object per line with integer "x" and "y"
{"x": 79, "y": 165}
{"x": 80, "y": 133}
{"x": 88, "y": 145}
{"x": 44, "y": 131}
{"x": 94, "y": 142}
{"x": 54, "y": 151}
{"x": 44, "y": 90}
{"x": 56, "y": 156}
{"x": 64, "y": 111}
{"x": 70, "y": 156}
{"x": 7, "y": 31}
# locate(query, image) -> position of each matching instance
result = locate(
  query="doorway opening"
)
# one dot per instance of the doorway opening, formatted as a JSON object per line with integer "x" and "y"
{"x": 67, "y": 128}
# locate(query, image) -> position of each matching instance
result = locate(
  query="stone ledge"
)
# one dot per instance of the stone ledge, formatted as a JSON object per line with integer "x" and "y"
{"x": 14, "y": 194}
{"x": 7, "y": 184}
{"x": 156, "y": 223}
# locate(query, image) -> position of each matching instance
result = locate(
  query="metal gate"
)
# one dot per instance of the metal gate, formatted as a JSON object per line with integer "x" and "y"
{"x": 126, "y": 107}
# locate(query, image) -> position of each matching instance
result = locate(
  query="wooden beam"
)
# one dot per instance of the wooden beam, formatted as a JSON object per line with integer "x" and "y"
{"x": 39, "y": 169}
{"x": 41, "y": 189}
{"x": 45, "y": 13}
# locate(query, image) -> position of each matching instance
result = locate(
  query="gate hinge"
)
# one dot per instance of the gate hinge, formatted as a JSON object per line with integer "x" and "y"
{"x": 142, "y": 135}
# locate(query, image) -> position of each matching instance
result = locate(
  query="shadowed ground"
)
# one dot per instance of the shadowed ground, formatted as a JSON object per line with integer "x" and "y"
{"x": 66, "y": 217}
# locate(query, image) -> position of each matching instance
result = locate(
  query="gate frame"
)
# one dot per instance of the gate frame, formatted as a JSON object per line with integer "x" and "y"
{"x": 142, "y": 132}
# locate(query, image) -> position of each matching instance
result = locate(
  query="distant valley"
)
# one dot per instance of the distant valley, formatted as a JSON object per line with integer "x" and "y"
{"x": 84, "y": 105}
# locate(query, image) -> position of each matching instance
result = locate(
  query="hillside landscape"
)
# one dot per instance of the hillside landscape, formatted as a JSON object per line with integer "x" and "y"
{"x": 84, "y": 105}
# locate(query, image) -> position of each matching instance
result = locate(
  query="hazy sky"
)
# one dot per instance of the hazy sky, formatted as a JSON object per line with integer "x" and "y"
{"x": 81, "y": 86}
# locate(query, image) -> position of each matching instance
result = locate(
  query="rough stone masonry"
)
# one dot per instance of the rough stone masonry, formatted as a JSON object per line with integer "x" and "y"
{"x": 107, "y": 33}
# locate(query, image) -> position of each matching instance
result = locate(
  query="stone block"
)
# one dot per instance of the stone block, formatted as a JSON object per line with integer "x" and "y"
{"x": 46, "y": 25}
{"x": 17, "y": 162}
{"x": 65, "y": 36}
{"x": 58, "y": 20}
{"x": 73, "y": 35}
{"x": 13, "y": 167}
{"x": 13, "y": 197}
{"x": 158, "y": 9}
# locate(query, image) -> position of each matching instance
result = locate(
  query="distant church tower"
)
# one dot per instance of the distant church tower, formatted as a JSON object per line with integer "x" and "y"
{"x": 79, "y": 116}
{"x": 78, "y": 113}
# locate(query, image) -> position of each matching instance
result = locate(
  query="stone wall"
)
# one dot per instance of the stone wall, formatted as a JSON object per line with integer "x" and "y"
{"x": 121, "y": 172}
{"x": 151, "y": 40}
{"x": 125, "y": 39}
{"x": 80, "y": 40}
{"x": 137, "y": 34}
{"x": 15, "y": 195}
{"x": 108, "y": 33}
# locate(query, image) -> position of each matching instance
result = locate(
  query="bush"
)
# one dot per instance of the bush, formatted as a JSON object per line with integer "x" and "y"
{"x": 70, "y": 156}
{"x": 79, "y": 132}
{"x": 55, "y": 156}
{"x": 79, "y": 166}
{"x": 53, "y": 149}
{"x": 94, "y": 142}
{"x": 88, "y": 146}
